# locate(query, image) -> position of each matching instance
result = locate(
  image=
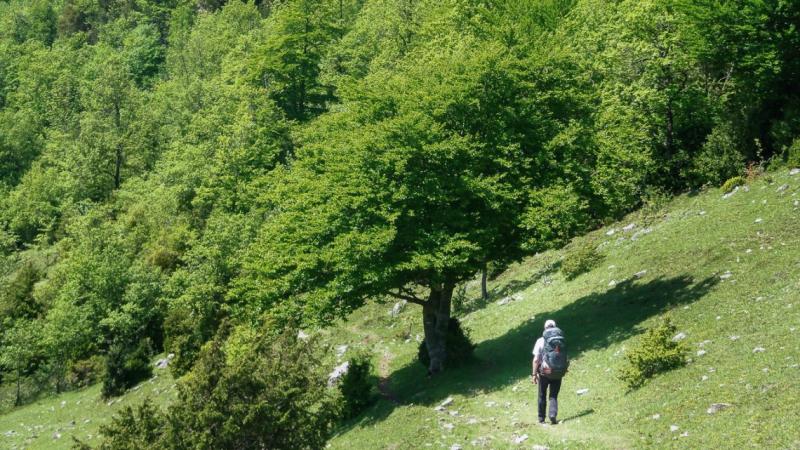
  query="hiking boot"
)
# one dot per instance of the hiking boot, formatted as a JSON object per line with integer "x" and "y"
{"x": 541, "y": 420}
{"x": 553, "y": 420}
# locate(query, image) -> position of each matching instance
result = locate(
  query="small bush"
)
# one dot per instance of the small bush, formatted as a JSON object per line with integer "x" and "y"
{"x": 356, "y": 388}
{"x": 655, "y": 353}
{"x": 580, "y": 259}
{"x": 125, "y": 367}
{"x": 733, "y": 183}
{"x": 720, "y": 158}
{"x": 459, "y": 346}
{"x": 86, "y": 372}
{"x": 793, "y": 154}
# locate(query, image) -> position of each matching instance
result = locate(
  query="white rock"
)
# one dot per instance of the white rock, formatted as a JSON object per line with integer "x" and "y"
{"x": 338, "y": 372}
{"x": 794, "y": 171}
{"x": 454, "y": 413}
{"x": 629, "y": 227}
{"x": 302, "y": 335}
{"x": 782, "y": 188}
{"x": 685, "y": 434}
{"x": 490, "y": 404}
{"x": 398, "y": 308}
{"x": 455, "y": 447}
{"x": 679, "y": 337}
{"x": 726, "y": 275}
{"x": 734, "y": 338}
{"x": 641, "y": 232}
{"x": 162, "y": 363}
{"x": 56, "y": 435}
{"x": 447, "y": 402}
{"x": 656, "y": 416}
{"x": 702, "y": 213}
{"x": 63, "y": 403}
{"x": 341, "y": 349}
{"x": 701, "y": 352}
{"x": 448, "y": 426}
{"x": 611, "y": 267}
{"x": 729, "y": 194}
{"x": 612, "y": 283}
{"x": 674, "y": 428}
{"x": 640, "y": 273}
{"x": 759, "y": 220}
{"x": 759, "y": 350}
{"x": 582, "y": 391}
{"x": 521, "y": 439}
{"x": 611, "y": 232}
{"x": 717, "y": 407}
{"x": 704, "y": 378}
{"x": 439, "y": 408}
{"x": 540, "y": 447}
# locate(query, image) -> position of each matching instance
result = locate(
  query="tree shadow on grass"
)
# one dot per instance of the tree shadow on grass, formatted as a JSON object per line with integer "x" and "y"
{"x": 591, "y": 322}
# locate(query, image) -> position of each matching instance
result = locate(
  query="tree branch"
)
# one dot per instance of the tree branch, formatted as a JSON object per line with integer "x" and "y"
{"x": 409, "y": 298}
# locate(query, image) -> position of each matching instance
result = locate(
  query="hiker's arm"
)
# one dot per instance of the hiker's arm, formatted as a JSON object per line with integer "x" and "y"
{"x": 535, "y": 367}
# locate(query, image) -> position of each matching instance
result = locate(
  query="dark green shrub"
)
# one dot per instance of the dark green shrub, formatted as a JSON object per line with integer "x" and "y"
{"x": 719, "y": 159}
{"x": 250, "y": 391}
{"x": 356, "y": 388}
{"x": 654, "y": 353}
{"x": 793, "y": 154}
{"x": 126, "y": 365}
{"x": 459, "y": 346}
{"x": 580, "y": 259}
{"x": 733, "y": 183}
{"x": 86, "y": 372}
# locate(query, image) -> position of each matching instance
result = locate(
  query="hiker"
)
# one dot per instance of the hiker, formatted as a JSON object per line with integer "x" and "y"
{"x": 550, "y": 364}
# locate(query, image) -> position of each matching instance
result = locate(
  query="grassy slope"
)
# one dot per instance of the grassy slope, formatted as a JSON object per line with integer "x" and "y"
{"x": 494, "y": 400}
{"x": 51, "y": 423}
{"x": 697, "y": 239}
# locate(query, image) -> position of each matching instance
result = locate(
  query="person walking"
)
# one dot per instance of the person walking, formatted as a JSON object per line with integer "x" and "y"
{"x": 550, "y": 364}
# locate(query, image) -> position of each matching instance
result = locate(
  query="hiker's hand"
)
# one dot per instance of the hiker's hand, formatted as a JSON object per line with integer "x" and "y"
{"x": 535, "y": 378}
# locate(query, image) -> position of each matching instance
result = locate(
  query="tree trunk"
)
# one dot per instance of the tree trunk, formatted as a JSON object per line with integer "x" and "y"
{"x": 484, "y": 276}
{"x": 435, "y": 320}
{"x": 18, "y": 396}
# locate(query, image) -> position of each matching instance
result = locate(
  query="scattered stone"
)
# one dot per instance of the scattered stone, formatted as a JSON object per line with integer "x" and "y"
{"x": 782, "y": 188}
{"x": 719, "y": 317}
{"x": 63, "y": 403}
{"x": 611, "y": 267}
{"x": 521, "y": 439}
{"x": 490, "y": 404}
{"x": 56, "y": 435}
{"x": 685, "y": 434}
{"x": 582, "y": 391}
{"x": 640, "y": 274}
{"x": 455, "y": 447}
{"x": 717, "y": 407}
{"x": 726, "y": 275}
{"x": 704, "y": 378}
{"x": 454, "y": 413}
{"x": 448, "y": 426}
{"x": 679, "y": 337}
{"x": 612, "y": 283}
{"x": 759, "y": 350}
{"x": 302, "y": 335}
{"x": 447, "y": 402}
{"x": 398, "y": 308}
{"x": 734, "y": 338}
{"x": 759, "y": 220}
{"x": 540, "y": 447}
{"x": 674, "y": 428}
{"x": 701, "y": 352}
{"x": 611, "y": 232}
{"x": 704, "y": 343}
{"x": 472, "y": 421}
{"x": 162, "y": 363}
{"x": 87, "y": 420}
{"x": 641, "y": 232}
{"x": 504, "y": 301}
{"x": 729, "y": 194}
{"x": 702, "y": 213}
{"x": 656, "y": 416}
{"x": 338, "y": 372}
{"x": 340, "y": 350}
{"x": 439, "y": 408}
{"x": 629, "y": 227}
{"x": 794, "y": 171}
{"x": 9, "y": 433}
{"x": 749, "y": 250}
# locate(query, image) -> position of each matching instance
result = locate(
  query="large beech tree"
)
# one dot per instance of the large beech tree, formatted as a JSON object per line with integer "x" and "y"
{"x": 419, "y": 180}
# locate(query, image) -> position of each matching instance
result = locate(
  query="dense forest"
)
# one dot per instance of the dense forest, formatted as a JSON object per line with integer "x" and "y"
{"x": 198, "y": 177}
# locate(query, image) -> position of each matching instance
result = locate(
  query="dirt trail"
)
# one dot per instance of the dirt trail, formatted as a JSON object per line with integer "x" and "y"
{"x": 383, "y": 382}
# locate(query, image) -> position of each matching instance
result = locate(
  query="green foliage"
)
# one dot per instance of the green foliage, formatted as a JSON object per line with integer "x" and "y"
{"x": 86, "y": 372}
{"x": 580, "y": 259}
{"x": 126, "y": 366}
{"x": 655, "y": 352}
{"x": 720, "y": 158}
{"x": 792, "y": 156}
{"x": 458, "y": 343}
{"x": 254, "y": 392}
{"x": 356, "y": 387}
{"x": 732, "y": 183}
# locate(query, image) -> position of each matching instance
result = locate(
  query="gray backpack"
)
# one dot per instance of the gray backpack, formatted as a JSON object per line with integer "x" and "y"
{"x": 555, "y": 353}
